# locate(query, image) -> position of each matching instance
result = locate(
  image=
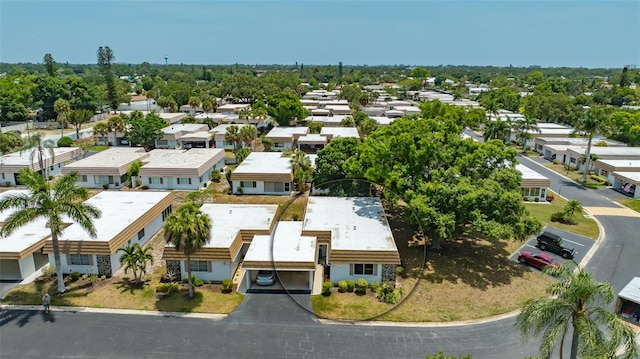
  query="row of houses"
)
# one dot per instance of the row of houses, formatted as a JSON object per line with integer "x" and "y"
{"x": 338, "y": 239}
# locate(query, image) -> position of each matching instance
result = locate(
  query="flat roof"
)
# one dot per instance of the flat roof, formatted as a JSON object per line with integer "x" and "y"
{"x": 25, "y": 237}
{"x": 287, "y": 131}
{"x": 338, "y": 132}
{"x": 119, "y": 210}
{"x": 631, "y": 291}
{"x": 552, "y": 131}
{"x": 621, "y": 163}
{"x": 5, "y": 194}
{"x": 112, "y": 157}
{"x": 24, "y": 158}
{"x": 612, "y": 151}
{"x": 265, "y": 162}
{"x": 312, "y": 138}
{"x": 528, "y": 173}
{"x": 223, "y": 128}
{"x": 184, "y": 127}
{"x": 629, "y": 176}
{"x": 288, "y": 245}
{"x": 228, "y": 219}
{"x": 356, "y": 223}
{"x": 193, "y": 158}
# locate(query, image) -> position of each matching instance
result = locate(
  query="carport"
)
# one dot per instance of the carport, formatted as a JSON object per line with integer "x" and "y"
{"x": 288, "y": 253}
{"x": 21, "y": 252}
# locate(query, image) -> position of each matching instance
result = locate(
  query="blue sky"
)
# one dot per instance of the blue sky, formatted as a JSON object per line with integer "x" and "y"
{"x": 521, "y": 33}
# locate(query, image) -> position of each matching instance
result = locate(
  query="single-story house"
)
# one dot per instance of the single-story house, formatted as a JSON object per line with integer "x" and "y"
{"x": 107, "y": 167}
{"x": 233, "y": 227}
{"x": 21, "y": 252}
{"x": 185, "y": 135}
{"x": 263, "y": 173}
{"x": 181, "y": 169}
{"x": 286, "y": 138}
{"x": 12, "y": 163}
{"x": 627, "y": 182}
{"x": 127, "y": 218}
{"x": 353, "y": 237}
{"x": 338, "y": 109}
{"x": 168, "y": 117}
{"x": 541, "y": 145}
{"x": 232, "y": 108}
{"x": 219, "y": 136}
{"x": 533, "y": 184}
{"x": 312, "y": 142}
{"x": 603, "y": 153}
{"x": 407, "y": 109}
{"x": 339, "y": 132}
{"x": 605, "y": 168}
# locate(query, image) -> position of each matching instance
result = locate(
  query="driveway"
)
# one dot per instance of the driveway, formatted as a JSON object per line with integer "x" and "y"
{"x": 6, "y": 286}
{"x": 581, "y": 244}
{"x": 274, "y": 308}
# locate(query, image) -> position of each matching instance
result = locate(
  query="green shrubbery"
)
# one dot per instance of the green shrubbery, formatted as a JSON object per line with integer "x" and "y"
{"x": 167, "y": 288}
{"x": 361, "y": 286}
{"x": 374, "y": 287}
{"x": 599, "y": 180}
{"x": 351, "y": 285}
{"x": 342, "y": 286}
{"x": 326, "y": 288}
{"x": 144, "y": 187}
{"x": 74, "y": 276}
{"x": 216, "y": 176}
{"x": 227, "y": 286}
{"x": 65, "y": 142}
{"x": 388, "y": 293}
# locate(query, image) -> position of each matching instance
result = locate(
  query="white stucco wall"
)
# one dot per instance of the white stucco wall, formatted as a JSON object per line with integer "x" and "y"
{"x": 341, "y": 272}
{"x": 219, "y": 271}
{"x": 258, "y": 189}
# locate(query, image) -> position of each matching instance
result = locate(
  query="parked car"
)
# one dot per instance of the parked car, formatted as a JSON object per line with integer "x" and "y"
{"x": 553, "y": 243}
{"x": 537, "y": 260}
{"x": 265, "y": 277}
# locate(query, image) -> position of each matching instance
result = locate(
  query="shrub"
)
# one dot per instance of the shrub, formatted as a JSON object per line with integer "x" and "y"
{"x": 74, "y": 276}
{"x": 49, "y": 271}
{"x": 342, "y": 286}
{"x": 399, "y": 270}
{"x": 144, "y": 187}
{"x": 295, "y": 217}
{"x": 361, "y": 286}
{"x": 351, "y": 285}
{"x": 198, "y": 282}
{"x": 557, "y": 217}
{"x": 216, "y": 176}
{"x": 105, "y": 185}
{"x": 375, "y": 286}
{"x": 555, "y": 162}
{"x": 227, "y": 285}
{"x": 167, "y": 288}
{"x": 65, "y": 142}
{"x": 537, "y": 199}
{"x": 326, "y": 288}
{"x": 388, "y": 293}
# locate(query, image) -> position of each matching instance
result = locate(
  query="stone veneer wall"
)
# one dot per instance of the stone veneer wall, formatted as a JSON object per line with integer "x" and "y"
{"x": 173, "y": 270}
{"x": 104, "y": 265}
{"x": 389, "y": 272}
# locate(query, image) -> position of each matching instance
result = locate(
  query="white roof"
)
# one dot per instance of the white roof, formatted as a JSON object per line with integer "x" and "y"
{"x": 119, "y": 210}
{"x": 631, "y": 291}
{"x": 621, "y": 163}
{"x": 233, "y": 106}
{"x": 383, "y": 121}
{"x": 265, "y": 162}
{"x": 288, "y": 245}
{"x": 24, "y": 158}
{"x": 225, "y": 127}
{"x": 193, "y": 158}
{"x": 112, "y": 157}
{"x": 338, "y": 132}
{"x": 611, "y": 151}
{"x": 631, "y": 176}
{"x": 287, "y": 131}
{"x": 172, "y": 116}
{"x": 228, "y": 219}
{"x": 528, "y": 173}
{"x": 356, "y": 223}
{"x": 184, "y": 127}
{"x": 550, "y": 125}
{"x": 552, "y": 131}
{"x": 25, "y": 236}
{"x": 312, "y": 138}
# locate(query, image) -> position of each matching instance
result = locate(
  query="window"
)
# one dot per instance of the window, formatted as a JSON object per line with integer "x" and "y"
{"x": 155, "y": 180}
{"x": 103, "y": 179}
{"x": 287, "y": 187}
{"x": 199, "y": 266}
{"x": 184, "y": 180}
{"x": 83, "y": 178}
{"x": 141, "y": 234}
{"x": 3, "y": 176}
{"x": 166, "y": 213}
{"x": 248, "y": 184}
{"x": 363, "y": 269}
{"x": 79, "y": 259}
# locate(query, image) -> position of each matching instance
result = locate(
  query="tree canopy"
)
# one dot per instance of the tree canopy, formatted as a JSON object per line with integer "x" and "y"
{"x": 144, "y": 131}
{"x": 285, "y": 107}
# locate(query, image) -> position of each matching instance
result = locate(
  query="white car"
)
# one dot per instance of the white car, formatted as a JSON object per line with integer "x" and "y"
{"x": 265, "y": 277}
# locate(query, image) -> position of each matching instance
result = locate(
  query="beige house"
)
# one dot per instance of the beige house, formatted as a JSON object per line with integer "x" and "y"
{"x": 107, "y": 168}
{"x": 181, "y": 169}
{"x": 533, "y": 184}
{"x": 185, "y": 136}
{"x": 12, "y": 163}
{"x": 263, "y": 173}
{"x": 286, "y": 138}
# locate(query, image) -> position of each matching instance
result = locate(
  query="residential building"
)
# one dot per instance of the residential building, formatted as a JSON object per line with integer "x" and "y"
{"x": 185, "y": 136}
{"x": 12, "y": 163}
{"x": 533, "y": 184}
{"x": 286, "y": 138}
{"x": 603, "y": 153}
{"x": 263, "y": 173}
{"x": 219, "y": 134}
{"x": 107, "y": 168}
{"x": 181, "y": 169}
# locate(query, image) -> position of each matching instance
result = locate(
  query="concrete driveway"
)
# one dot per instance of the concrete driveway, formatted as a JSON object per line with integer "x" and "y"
{"x": 581, "y": 244}
{"x": 6, "y": 286}
{"x": 274, "y": 308}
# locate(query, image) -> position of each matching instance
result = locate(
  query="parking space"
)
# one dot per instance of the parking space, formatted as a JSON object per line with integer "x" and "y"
{"x": 581, "y": 244}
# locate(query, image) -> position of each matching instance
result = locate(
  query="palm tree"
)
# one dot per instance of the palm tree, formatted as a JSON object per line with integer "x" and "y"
{"x": 188, "y": 230}
{"x": 194, "y": 102}
{"x": 572, "y": 207}
{"x": 101, "y": 129}
{"x": 497, "y": 130}
{"x": 37, "y": 147}
{"x": 133, "y": 172}
{"x": 592, "y": 123}
{"x": 245, "y": 114}
{"x": 267, "y": 143}
{"x": 248, "y": 134}
{"x": 78, "y": 117}
{"x": 579, "y": 301}
{"x": 302, "y": 170}
{"x": 52, "y": 200}
{"x": 348, "y": 122}
{"x": 524, "y": 128}
{"x": 207, "y": 105}
{"x": 232, "y": 135}
{"x": 116, "y": 124}
{"x": 136, "y": 258}
{"x": 62, "y": 108}
{"x": 367, "y": 126}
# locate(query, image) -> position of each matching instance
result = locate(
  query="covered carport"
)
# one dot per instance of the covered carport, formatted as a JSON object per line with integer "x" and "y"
{"x": 20, "y": 252}
{"x": 312, "y": 142}
{"x": 288, "y": 253}
{"x": 627, "y": 182}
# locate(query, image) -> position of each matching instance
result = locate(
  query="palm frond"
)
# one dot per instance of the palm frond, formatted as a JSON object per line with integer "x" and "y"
{"x": 19, "y": 219}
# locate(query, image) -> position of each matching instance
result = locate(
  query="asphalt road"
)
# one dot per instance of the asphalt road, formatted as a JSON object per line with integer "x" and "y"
{"x": 277, "y": 327}
{"x": 581, "y": 244}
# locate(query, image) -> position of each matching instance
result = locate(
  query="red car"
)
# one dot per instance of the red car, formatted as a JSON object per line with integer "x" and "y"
{"x": 538, "y": 260}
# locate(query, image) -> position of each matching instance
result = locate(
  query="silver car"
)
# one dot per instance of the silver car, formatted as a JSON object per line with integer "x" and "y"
{"x": 265, "y": 277}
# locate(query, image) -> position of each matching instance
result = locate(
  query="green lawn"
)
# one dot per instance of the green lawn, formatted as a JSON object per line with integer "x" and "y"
{"x": 575, "y": 176}
{"x": 98, "y": 148}
{"x": 634, "y": 204}
{"x": 585, "y": 226}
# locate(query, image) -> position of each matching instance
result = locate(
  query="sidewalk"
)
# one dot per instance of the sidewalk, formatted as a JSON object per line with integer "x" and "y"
{"x": 156, "y": 313}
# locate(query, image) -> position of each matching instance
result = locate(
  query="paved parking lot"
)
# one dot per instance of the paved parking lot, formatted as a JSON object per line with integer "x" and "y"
{"x": 581, "y": 244}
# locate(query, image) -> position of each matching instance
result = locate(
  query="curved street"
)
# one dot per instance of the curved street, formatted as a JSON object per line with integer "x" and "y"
{"x": 278, "y": 327}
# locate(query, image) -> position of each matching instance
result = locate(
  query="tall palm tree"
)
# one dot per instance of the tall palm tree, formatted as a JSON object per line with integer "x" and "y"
{"x": 302, "y": 169}
{"x": 232, "y": 135}
{"x": 497, "y": 130}
{"x": 523, "y": 129}
{"x": 248, "y": 134}
{"x": 245, "y": 114}
{"x": 101, "y": 129}
{"x": 116, "y": 124}
{"x": 135, "y": 257}
{"x": 188, "y": 230}
{"x": 38, "y": 147}
{"x": 592, "y": 123}
{"x": 579, "y": 301}
{"x": 194, "y": 102}
{"x": 62, "y": 108}
{"x": 52, "y": 200}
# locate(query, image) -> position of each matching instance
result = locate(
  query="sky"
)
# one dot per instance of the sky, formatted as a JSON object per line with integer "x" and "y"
{"x": 570, "y": 33}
